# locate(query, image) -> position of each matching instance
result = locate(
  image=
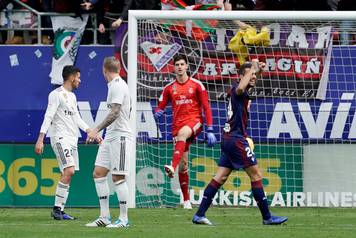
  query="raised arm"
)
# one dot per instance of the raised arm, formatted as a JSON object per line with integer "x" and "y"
{"x": 244, "y": 81}
{"x": 124, "y": 14}
{"x": 256, "y": 69}
{"x": 126, "y": 8}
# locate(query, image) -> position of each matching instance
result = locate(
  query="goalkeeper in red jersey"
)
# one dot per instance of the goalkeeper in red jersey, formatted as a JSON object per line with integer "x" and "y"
{"x": 188, "y": 97}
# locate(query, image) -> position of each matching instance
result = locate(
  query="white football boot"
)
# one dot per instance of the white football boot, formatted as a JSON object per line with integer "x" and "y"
{"x": 187, "y": 205}
{"x": 119, "y": 224}
{"x": 99, "y": 222}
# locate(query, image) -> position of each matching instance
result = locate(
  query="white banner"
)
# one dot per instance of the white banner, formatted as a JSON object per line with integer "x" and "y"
{"x": 330, "y": 169}
{"x": 68, "y": 32}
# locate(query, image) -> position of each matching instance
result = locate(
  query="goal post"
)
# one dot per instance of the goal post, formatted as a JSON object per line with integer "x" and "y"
{"x": 132, "y": 84}
{"x": 302, "y": 116}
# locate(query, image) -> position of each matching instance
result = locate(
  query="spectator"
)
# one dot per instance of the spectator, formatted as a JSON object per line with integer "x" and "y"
{"x": 47, "y": 35}
{"x": 99, "y": 7}
{"x": 299, "y": 5}
{"x": 22, "y": 37}
{"x": 138, "y": 5}
{"x": 247, "y": 4}
{"x": 333, "y": 4}
{"x": 104, "y": 36}
{"x": 3, "y": 4}
{"x": 315, "y": 5}
{"x": 76, "y": 6}
{"x": 276, "y": 5}
{"x": 3, "y": 34}
{"x": 62, "y": 6}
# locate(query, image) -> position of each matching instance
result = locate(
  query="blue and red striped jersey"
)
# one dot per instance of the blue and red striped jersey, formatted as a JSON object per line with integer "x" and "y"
{"x": 237, "y": 113}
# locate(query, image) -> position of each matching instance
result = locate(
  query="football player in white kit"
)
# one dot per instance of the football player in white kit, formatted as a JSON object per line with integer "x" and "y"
{"x": 62, "y": 114}
{"x": 113, "y": 151}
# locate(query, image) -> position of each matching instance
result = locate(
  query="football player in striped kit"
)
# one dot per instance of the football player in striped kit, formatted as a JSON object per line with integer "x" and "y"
{"x": 236, "y": 151}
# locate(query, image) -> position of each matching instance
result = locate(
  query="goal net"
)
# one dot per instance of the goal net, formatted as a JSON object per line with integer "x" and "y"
{"x": 302, "y": 113}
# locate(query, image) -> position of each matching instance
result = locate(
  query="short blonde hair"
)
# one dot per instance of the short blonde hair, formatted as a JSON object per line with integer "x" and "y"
{"x": 112, "y": 65}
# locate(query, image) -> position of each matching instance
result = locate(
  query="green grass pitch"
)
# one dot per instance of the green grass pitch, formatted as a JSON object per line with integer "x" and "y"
{"x": 171, "y": 223}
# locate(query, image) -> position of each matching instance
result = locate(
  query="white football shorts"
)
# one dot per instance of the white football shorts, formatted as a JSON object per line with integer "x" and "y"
{"x": 66, "y": 153}
{"x": 113, "y": 154}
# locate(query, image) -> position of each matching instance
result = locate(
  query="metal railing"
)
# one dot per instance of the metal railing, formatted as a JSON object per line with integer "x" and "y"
{"x": 39, "y": 27}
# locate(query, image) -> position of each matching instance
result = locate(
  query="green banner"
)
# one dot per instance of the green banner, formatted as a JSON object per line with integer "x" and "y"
{"x": 27, "y": 179}
{"x": 281, "y": 166}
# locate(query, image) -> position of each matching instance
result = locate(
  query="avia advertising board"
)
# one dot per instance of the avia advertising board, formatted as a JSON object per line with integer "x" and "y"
{"x": 272, "y": 119}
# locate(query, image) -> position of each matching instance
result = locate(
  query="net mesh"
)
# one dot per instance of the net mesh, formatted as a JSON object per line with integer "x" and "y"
{"x": 302, "y": 117}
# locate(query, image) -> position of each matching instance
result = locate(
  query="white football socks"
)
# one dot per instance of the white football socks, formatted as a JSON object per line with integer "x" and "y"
{"x": 122, "y": 192}
{"x": 61, "y": 195}
{"x": 102, "y": 189}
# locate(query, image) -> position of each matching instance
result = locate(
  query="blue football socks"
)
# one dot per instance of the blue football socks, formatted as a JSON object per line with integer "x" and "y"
{"x": 209, "y": 194}
{"x": 261, "y": 199}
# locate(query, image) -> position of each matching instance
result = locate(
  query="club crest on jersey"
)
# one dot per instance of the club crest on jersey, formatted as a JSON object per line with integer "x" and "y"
{"x": 190, "y": 90}
{"x": 174, "y": 89}
{"x": 160, "y": 54}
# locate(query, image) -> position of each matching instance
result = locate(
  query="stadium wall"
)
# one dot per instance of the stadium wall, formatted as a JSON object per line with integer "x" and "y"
{"x": 27, "y": 180}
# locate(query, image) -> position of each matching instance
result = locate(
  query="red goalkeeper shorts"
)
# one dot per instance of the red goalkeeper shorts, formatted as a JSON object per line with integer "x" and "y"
{"x": 195, "y": 125}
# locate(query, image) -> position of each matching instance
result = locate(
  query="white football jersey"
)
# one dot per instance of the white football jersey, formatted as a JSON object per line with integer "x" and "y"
{"x": 118, "y": 92}
{"x": 63, "y": 116}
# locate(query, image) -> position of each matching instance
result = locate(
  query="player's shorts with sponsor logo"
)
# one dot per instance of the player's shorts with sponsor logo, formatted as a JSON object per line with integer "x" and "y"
{"x": 196, "y": 125}
{"x": 66, "y": 152}
{"x": 236, "y": 153}
{"x": 113, "y": 154}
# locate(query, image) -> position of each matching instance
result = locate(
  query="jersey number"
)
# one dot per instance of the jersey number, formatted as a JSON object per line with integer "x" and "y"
{"x": 229, "y": 110}
{"x": 67, "y": 152}
{"x": 249, "y": 153}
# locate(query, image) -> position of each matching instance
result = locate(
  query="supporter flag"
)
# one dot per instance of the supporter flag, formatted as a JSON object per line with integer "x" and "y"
{"x": 68, "y": 32}
{"x": 198, "y": 29}
{"x": 245, "y": 37}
